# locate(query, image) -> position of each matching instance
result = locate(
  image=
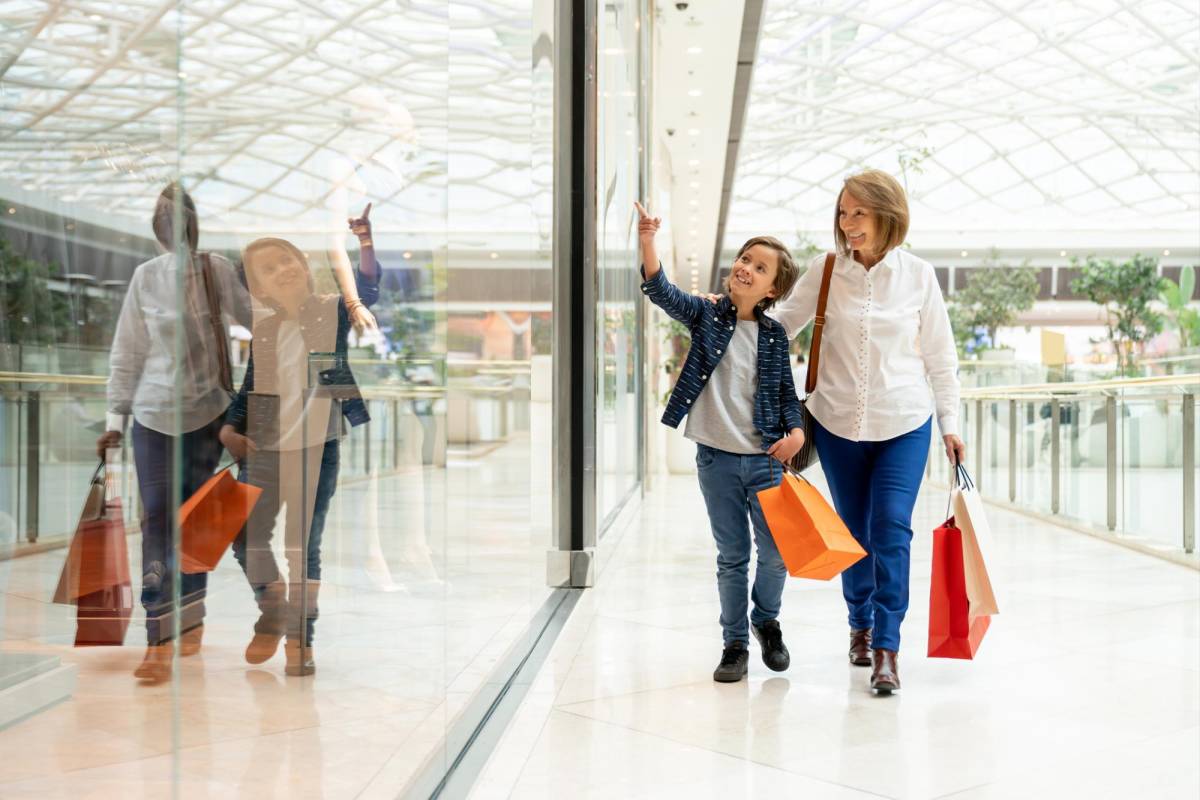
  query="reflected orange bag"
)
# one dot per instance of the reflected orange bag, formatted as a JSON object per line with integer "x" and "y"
{"x": 212, "y": 518}
{"x": 811, "y": 537}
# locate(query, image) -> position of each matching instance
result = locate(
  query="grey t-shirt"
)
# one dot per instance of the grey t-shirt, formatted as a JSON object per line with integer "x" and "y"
{"x": 723, "y": 414}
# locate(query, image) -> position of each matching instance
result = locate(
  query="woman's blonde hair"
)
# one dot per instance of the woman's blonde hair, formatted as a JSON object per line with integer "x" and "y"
{"x": 785, "y": 275}
{"x": 882, "y": 194}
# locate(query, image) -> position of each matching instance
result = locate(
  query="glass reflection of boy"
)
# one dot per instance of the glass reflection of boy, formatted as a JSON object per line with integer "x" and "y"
{"x": 285, "y": 429}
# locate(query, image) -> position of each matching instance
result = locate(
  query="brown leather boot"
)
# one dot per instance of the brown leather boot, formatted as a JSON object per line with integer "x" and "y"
{"x": 156, "y": 666}
{"x": 860, "y": 647}
{"x": 298, "y": 663}
{"x": 885, "y": 678}
{"x": 189, "y": 641}
{"x": 268, "y": 631}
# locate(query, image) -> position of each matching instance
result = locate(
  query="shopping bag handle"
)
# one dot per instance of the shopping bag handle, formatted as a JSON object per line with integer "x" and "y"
{"x": 962, "y": 480}
{"x": 789, "y": 469}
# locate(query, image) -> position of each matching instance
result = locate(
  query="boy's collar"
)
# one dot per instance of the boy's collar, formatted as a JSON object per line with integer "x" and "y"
{"x": 725, "y": 307}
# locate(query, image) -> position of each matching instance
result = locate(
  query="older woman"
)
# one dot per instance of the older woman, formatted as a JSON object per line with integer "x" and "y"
{"x": 887, "y": 365}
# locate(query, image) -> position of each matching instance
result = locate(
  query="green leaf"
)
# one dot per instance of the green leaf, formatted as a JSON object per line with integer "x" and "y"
{"x": 1187, "y": 283}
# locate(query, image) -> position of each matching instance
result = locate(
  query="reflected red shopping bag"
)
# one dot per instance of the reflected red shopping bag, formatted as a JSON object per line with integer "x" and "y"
{"x": 211, "y": 519}
{"x": 95, "y": 576}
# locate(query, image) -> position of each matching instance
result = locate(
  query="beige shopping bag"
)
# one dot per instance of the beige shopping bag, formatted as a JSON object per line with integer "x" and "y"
{"x": 976, "y": 542}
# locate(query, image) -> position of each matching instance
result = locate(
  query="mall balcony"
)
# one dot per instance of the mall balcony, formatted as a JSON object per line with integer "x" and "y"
{"x": 488, "y": 569}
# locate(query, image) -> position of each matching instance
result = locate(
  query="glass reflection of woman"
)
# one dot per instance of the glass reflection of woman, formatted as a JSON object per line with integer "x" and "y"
{"x": 169, "y": 368}
{"x": 284, "y": 425}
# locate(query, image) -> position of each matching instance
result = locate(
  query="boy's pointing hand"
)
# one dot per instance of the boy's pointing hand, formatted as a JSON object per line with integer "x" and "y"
{"x": 647, "y": 225}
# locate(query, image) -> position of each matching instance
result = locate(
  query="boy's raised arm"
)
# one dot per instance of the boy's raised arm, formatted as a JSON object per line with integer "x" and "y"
{"x": 647, "y": 228}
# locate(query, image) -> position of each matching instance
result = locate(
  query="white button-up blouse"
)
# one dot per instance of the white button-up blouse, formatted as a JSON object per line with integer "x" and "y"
{"x": 887, "y": 345}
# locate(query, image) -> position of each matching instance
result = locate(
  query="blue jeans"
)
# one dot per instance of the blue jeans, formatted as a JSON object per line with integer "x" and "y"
{"x": 153, "y": 454}
{"x": 730, "y": 484}
{"x": 252, "y": 547}
{"x": 874, "y": 486}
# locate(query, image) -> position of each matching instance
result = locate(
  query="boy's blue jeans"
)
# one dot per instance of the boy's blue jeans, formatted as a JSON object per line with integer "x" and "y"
{"x": 730, "y": 484}
{"x": 874, "y": 487}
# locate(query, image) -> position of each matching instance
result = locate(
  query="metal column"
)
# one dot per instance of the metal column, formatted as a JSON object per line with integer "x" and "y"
{"x": 570, "y": 562}
{"x": 1055, "y": 456}
{"x": 979, "y": 445}
{"x": 1012, "y": 451}
{"x": 33, "y": 464}
{"x": 1110, "y": 416}
{"x": 1189, "y": 472}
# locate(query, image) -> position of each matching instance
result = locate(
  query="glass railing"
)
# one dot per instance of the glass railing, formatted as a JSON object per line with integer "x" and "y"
{"x": 1116, "y": 457}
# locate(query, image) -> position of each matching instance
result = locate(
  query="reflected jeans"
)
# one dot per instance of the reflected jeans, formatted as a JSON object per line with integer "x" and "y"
{"x": 874, "y": 487}
{"x": 153, "y": 453}
{"x": 269, "y": 471}
{"x": 730, "y": 484}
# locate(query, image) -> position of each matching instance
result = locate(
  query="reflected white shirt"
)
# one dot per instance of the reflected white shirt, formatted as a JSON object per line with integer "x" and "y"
{"x": 164, "y": 368}
{"x": 887, "y": 354}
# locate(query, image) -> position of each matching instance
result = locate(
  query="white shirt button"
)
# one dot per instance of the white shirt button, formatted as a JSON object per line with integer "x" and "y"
{"x": 689, "y": 401}
{"x": 718, "y": 352}
{"x": 703, "y": 377}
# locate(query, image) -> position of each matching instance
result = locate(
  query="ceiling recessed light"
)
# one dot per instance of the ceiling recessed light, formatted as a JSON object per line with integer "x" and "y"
{"x": 694, "y": 93}
{"x": 495, "y": 255}
{"x": 1166, "y": 252}
{"x": 1062, "y": 253}
{"x": 12, "y": 210}
{"x": 408, "y": 254}
{"x": 695, "y": 50}
{"x": 693, "y": 131}
{"x": 964, "y": 254}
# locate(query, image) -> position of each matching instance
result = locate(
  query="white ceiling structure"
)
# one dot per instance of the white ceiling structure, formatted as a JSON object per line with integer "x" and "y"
{"x": 1034, "y": 125}
{"x": 275, "y": 112}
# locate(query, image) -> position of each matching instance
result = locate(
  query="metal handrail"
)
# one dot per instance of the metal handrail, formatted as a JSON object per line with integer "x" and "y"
{"x": 1084, "y": 387}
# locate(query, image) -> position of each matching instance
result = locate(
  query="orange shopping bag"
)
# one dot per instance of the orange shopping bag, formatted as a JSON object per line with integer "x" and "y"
{"x": 212, "y": 518}
{"x": 961, "y": 599}
{"x": 811, "y": 537}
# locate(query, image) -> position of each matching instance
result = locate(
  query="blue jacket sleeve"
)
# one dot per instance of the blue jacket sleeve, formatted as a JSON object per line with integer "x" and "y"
{"x": 235, "y": 415}
{"x": 677, "y": 303}
{"x": 368, "y": 290}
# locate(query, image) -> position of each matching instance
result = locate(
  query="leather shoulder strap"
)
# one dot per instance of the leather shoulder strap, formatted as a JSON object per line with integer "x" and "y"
{"x": 217, "y": 322}
{"x": 814, "y": 349}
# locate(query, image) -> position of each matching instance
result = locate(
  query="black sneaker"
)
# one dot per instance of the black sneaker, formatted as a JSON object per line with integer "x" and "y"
{"x": 733, "y": 663}
{"x": 774, "y": 652}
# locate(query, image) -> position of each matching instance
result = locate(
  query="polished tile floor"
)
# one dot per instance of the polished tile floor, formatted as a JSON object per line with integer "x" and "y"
{"x": 429, "y": 578}
{"x": 1085, "y": 686}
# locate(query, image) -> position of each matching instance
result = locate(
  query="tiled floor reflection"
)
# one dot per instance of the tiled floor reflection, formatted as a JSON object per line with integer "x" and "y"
{"x": 1087, "y": 685}
{"x": 429, "y": 579}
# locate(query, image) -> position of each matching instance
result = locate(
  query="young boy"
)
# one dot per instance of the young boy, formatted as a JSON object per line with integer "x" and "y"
{"x": 737, "y": 392}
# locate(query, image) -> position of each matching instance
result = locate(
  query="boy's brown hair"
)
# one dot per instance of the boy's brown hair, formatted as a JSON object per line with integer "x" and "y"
{"x": 785, "y": 276}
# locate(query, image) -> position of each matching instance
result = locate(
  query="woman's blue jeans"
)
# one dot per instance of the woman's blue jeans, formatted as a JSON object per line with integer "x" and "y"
{"x": 874, "y": 486}
{"x": 730, "y": 484}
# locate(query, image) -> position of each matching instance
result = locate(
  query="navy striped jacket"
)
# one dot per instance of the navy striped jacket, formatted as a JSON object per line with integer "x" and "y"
{"x": 776, "y": 406}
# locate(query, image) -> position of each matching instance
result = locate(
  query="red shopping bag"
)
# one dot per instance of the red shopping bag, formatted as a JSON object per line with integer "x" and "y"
{"x": 810, "y": 536}
{"x": 953, "y": 631}
{"x": 95, "y": 576}
{"x": 211, "y": 519}
{"x": 961, "y": 599}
